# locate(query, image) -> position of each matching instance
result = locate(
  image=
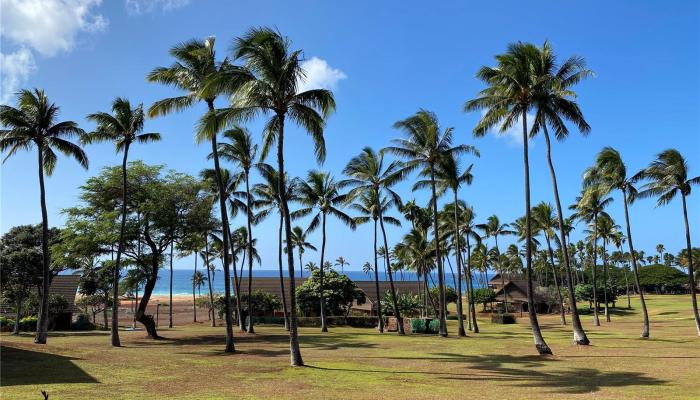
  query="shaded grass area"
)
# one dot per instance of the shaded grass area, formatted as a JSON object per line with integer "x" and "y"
{"x": 359, "y": 363}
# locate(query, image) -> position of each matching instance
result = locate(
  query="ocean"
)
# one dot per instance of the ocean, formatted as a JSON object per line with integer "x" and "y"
{"x": 182, "y": 279}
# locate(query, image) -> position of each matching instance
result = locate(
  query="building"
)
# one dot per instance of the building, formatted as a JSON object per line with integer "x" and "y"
{"x": 515, "y": 290}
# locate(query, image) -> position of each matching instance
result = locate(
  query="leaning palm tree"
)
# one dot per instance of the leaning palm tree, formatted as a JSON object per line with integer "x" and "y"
{"x": 544, "y": 219}
{"x": 450, "y": 176}
{"x": 668, "y": 177}
{"x": 555, "y": 102}
{"x": 123, "y": 127}
{"x": 368, "y": 208}
{"x": 367, "y": 172}
{"x": 268, "y": 85}
{"x": 610, "y": 173}
{"x": 424, "y": 147}
{"x": 589, "y": 207}
{"x": 509, "y": 95}
{"x": 33, "y": 123}
{"x": 194, "y": 67}
{"x": 321, "y": 192}
{"x": 299, "y": 241}
{"x": 240, "y": 149}
{"x": 268, "y": 200}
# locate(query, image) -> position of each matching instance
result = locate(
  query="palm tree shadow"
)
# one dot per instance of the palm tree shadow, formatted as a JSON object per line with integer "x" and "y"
{"x": 46, "y": 368}
{"x": 523, "y": 371}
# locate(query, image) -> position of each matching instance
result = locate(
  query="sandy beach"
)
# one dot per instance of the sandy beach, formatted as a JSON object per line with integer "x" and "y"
{"x": 181, "y": 306}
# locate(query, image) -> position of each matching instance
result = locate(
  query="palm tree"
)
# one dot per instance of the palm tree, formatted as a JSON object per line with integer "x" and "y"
{"x": 668, "y": 177}
{"x": 418, "y": 253}
{"x": 194, "y": 67}
{"x": 510, "y": 93}
{"x": 367, "y": 268}
{"x": 33, "y": 123}
{"x": 268, "y": 84}
{"x": 369, "y": 208}
{"x": 467, "y": 228}
{"x": 493, "y": 228}
{"x": 299, "y": 241}
{"x": 322, "y": 193}
{"x": 311, "y": 267}
{"x": 123, "y": 128}
{"x": 555, "y": 102}
{"x": 198, "y": 280}
{"x": 660, "y": 249}
{"x": 544, "y": 219}
{"x": 590, "y": 207}
{"x": 367, "y": 173}
{"x": 424, "y": 147}
{"x": 242, "y": 151}
{"x": 450, "y": 176}
{"x": 608, "y": 231}
{"x": 340, "y": 262}
{"x": 609, "y": 173}
{"x": 267, "y": 198}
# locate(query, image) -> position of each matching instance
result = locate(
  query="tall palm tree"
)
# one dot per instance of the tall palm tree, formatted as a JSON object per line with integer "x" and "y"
{"x": 667, "y": 177}
{"x": 268, "y": 85}
{"x": 493, "y": 229}
{"x": 198, "y": 280}
{"x": 510, "y": 93}
{"x": 299, "y": 241}
{"x": 589, "y": 207}
{"x": 544, "y": 219}
{"x": 241, "y": 150}
{"x": 424, "y": 146}
{"x": 341, "y": 262}
{"x": 322, "y": 193}
{"x": 450, "y": 176}
{"x": 610, "y": 173}
{"x": 194, "y": 67}
{"x": 467, "y": 228}
{"x": 123, "y": 127}
{"x": 418, "y": 253}
{"x": 608, "y": 231}
{"x": 555, "y": 103}
{"x": 33, "y": 123}
{"x": 367, "y": 268}
{"x": 268, "y": 199}
{"x": 368, "y": 207}
{"x": 367, "y": 172}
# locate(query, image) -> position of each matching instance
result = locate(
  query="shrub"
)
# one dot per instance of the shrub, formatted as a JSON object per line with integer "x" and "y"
{"x": 28, "y": 323}
{"x": 358, "y": 322}
{"x": 503, "y": 318}
{"x": 433, "y": 326}
{"x": 6, "y": 324}
{"x": 418, "y": 325}
{"x": 82, "y": 323}
{"x": 409, "y": 304}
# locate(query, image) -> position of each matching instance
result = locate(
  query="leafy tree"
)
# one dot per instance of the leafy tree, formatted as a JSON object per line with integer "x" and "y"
{"x": 33, "y": 124}
{"x": 410, "y": 305}
{"x": 339, "y": 292}
{"x": 662, "y": 279}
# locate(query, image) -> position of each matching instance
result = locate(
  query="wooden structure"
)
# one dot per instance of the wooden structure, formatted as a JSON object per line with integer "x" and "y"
{"x": 63, "y": 285}
{"x": 515, "y": 289}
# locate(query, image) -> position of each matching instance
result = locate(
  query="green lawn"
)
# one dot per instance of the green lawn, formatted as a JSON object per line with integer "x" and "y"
{"x": 499, "y": 363}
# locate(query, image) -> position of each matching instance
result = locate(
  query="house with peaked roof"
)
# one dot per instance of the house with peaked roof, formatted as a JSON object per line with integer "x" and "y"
{"x": 63, "y": 285}
{"x": 513, "y": 290}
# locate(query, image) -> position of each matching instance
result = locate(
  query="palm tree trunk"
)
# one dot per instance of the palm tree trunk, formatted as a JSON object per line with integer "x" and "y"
{"x": 579, "y": 334}
{"x": 194, "y": 297}
{"x": 324, "y": 324}
{"x": 470, "y": 288}
{"x": 249, "y": 246}
{"x": 645, "y": 326}
{"x": 438, "y": 257}
{"x": 376, "y": 282}
{"x": 209, "y": 278}
{"x": 627, "y": 290}
{"x": 540, "y": 344}
{"x": 593, "y": 270}
{"x": 691, "y": 276}
{"x": 230, "y": 347}
{"x": 301, "y": 268}
{"x": 556, "y": 281}
{"x": 295, "y": 352}
{"x": 237, "y": 284}
{"x": 458, "y": 257}
{"x": 397, "y": 312}
{"x": 605, "y": 281}
{"x": 120, "y": 248}
{"x": 170, "y": 308}
{"x": 279, "y": 260}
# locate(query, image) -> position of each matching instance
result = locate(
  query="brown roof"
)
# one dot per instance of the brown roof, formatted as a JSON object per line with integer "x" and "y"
{"x": 516, "y": 291}
{"x": 65, "y": 285}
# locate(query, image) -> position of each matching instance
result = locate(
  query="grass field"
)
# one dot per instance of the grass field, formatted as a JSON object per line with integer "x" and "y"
{"x": 351, "y": 363}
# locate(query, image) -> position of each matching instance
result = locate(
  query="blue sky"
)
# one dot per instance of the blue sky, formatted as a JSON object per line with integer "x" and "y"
{"x": 384, "y": 60}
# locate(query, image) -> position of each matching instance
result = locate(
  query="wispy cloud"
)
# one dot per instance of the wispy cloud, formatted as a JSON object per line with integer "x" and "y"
{"x": 139, "y": 7}
{"x": 320, "y": 75}
{"x": 46, "y": 27}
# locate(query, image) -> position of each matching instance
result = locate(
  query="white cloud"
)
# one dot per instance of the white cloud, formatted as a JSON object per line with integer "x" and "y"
{"x": 514, "y": 134}
{"x": 139, "y": 7}
{"x": 49, "y": 26}
{"x": 320, "y": 75}
{"x": 15, "y": 69}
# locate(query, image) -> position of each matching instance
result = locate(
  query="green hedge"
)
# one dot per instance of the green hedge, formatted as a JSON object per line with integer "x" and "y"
{"x": 503, "y": 318}
{"x": 358, "y": 322}
{"x": 429, "y": 326}
{"x": 82, "y": 323}
{"x": 28, "y": 323}
{"x": 418, "y": 325}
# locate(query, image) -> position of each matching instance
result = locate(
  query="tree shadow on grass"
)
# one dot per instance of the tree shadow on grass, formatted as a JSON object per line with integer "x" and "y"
{"x": 26, "y": 367}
